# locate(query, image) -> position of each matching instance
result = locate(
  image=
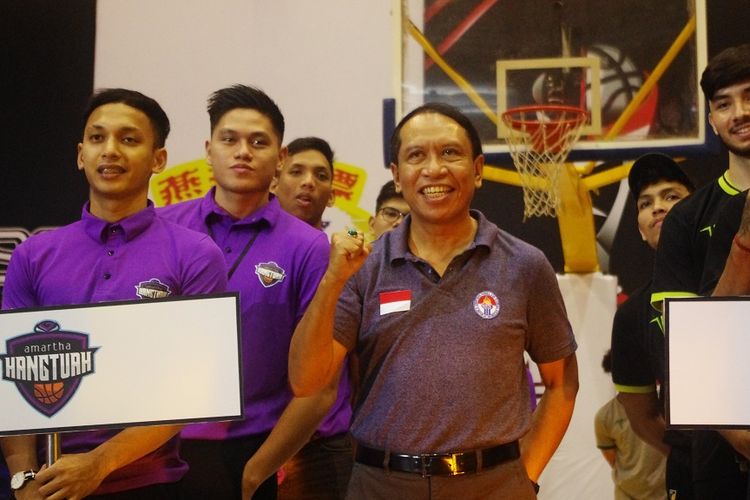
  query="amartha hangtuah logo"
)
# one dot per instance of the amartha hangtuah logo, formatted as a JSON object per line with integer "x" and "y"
{"x": 47, "y": 365}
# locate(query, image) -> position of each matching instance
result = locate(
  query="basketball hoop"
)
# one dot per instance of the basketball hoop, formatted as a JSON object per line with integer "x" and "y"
{"x": 540, "y": 138}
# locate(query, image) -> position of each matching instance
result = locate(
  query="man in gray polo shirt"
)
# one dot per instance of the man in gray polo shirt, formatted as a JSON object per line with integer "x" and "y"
{"x": 440, "y": 312}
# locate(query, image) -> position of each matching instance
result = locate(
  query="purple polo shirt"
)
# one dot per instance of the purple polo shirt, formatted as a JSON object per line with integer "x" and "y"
{"x": 284, "y": 260}
{"x": 95, "y": 261}
{"x": 441, "y": 358}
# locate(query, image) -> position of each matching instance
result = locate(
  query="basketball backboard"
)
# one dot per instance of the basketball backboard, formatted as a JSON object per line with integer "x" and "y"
{"x": 633, "y": 65}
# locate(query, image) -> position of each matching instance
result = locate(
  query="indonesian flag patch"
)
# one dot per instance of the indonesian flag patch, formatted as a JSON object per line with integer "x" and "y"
{"x": 398, "y": 301}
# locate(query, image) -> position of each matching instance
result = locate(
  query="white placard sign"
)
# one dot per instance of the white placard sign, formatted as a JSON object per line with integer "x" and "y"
{"x": 707, "y": 344}
{"x": 120, "y": 363}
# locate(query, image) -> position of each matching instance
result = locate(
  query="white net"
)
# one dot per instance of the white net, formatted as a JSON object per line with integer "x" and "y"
{"x": 540, "y": 139}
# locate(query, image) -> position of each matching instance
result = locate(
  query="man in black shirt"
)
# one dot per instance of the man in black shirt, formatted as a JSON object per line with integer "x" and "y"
{"x": 656, "y": 184}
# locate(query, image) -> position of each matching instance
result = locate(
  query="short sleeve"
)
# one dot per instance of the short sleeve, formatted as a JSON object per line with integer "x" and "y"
{"x": 726, "y": 227}
{"x": 631, "y": 371}
{"x": 674, "y": 266}
{"x": 549, "y": 335}
{"x": 315, "y": 265}
{"x": 18, "y": 290}
{"x": 205, "y": 272}
{"x": 604, "y": 440}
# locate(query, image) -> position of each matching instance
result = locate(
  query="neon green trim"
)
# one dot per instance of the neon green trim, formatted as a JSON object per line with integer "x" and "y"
{"x": 659, "y": 320}
{"x": 635, "y": 389}
{"x": 727, "y": 186}
{"x": 657, "y": 298}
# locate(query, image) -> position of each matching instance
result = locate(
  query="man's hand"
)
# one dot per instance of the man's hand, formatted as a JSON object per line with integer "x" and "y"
{"x": 72, "y": 477}
{"x": 348, "y": 252}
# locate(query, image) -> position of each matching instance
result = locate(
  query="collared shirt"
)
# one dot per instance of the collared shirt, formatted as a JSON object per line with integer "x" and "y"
{"x": 441, "y": 358}
{"x": 94, "y": 261}
{"x": 284, "y": 260}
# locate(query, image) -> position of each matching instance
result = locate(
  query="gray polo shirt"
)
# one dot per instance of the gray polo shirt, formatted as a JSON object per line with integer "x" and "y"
{"x": 441, "y": 359}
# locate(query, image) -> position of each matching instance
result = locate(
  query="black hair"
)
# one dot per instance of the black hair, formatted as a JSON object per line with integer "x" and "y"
{"x": 726, "y": 68}
{"x": 311, "y": 143}
{"x": 243, "y": 96}
{"x": 440, "y": 109}
{"x": 387, "y": 192}
{"x": 607, "y": 361}
{"x": 652, "y": 168}
{"x": 134, "y": 99}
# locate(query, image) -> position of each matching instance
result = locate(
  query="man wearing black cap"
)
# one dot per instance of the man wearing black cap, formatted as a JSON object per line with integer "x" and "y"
{"x": 656, "y": 183}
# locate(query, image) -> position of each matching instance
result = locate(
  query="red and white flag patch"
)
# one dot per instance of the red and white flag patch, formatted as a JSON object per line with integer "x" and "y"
{"x": 397, "y": 301}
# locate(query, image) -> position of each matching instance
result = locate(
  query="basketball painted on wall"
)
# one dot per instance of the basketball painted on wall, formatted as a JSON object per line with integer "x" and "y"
{"x": 620, "y": 80}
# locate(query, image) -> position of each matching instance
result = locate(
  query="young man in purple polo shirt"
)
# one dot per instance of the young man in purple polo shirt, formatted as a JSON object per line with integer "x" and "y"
{"x": 440, "y": 314}
{"x": 304, "y": 188}
{"x": 275, "y": 261}
{"x": 304, "y": 183}
{"x": 118, "y": 246}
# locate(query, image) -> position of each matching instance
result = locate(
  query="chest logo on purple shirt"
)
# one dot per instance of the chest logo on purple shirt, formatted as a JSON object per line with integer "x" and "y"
{"x": 47, "y": 365}
{"x": 269, "y": 273}
{"x": 152, "y": 289}
{"x": 486, "y": 305}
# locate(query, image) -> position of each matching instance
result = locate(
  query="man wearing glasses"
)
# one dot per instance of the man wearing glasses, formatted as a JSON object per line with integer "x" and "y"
{"x": 390, "y": 210}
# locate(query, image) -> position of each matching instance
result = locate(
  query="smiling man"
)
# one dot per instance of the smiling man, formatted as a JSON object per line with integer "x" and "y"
{"x": 686, "y": 263}
{"x": 117, "y": 247}
{"x": 440, "y": 314}
{"x": 304, "y": 183}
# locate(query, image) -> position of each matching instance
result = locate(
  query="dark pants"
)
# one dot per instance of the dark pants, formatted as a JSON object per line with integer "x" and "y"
{"x": 320, "y": 471}
{"x": 717, "y": 473}
{"x": 216, "y": 469}
{"x": 679, "y": 477}
{"x": 166, "y": 491}
{"x": 505, "y": 481}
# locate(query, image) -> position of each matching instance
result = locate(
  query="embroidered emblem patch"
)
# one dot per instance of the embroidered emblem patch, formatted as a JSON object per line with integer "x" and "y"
{"x": 486, "y": 305}
{"x": 269, "y": 273}
{"x": 152, "y": 289}
{"x": 47, "y": 365}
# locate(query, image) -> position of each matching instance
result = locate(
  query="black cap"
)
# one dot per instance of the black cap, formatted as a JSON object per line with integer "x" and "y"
{"x": 652, "y": 168}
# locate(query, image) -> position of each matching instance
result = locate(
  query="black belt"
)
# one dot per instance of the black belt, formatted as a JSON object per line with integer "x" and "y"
{"x": 438, "y": 464}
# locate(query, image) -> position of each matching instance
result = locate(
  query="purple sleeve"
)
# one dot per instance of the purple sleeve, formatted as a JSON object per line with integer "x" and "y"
{"x": 549, "y": 336}
{"x": 205, "y": 270}
{"x": 18, "y": 290}
{"x": 312, "y": 270}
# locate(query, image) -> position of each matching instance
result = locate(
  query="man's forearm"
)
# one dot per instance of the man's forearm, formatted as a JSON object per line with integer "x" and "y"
{"x": 311, "y": 352}
{"x": 296, "y": 425}
{"x": 645, "y": 418}
{"x": 132, "y": 443}
{"x": 20, "y": 453}
{"x": 550, "y": 419}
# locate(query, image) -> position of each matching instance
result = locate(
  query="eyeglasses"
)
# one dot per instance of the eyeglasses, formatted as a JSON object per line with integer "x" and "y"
{"x": 391, "y": 215}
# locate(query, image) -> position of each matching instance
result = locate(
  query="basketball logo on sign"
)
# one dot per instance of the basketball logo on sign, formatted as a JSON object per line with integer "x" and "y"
{"x": 47, "y": 365}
